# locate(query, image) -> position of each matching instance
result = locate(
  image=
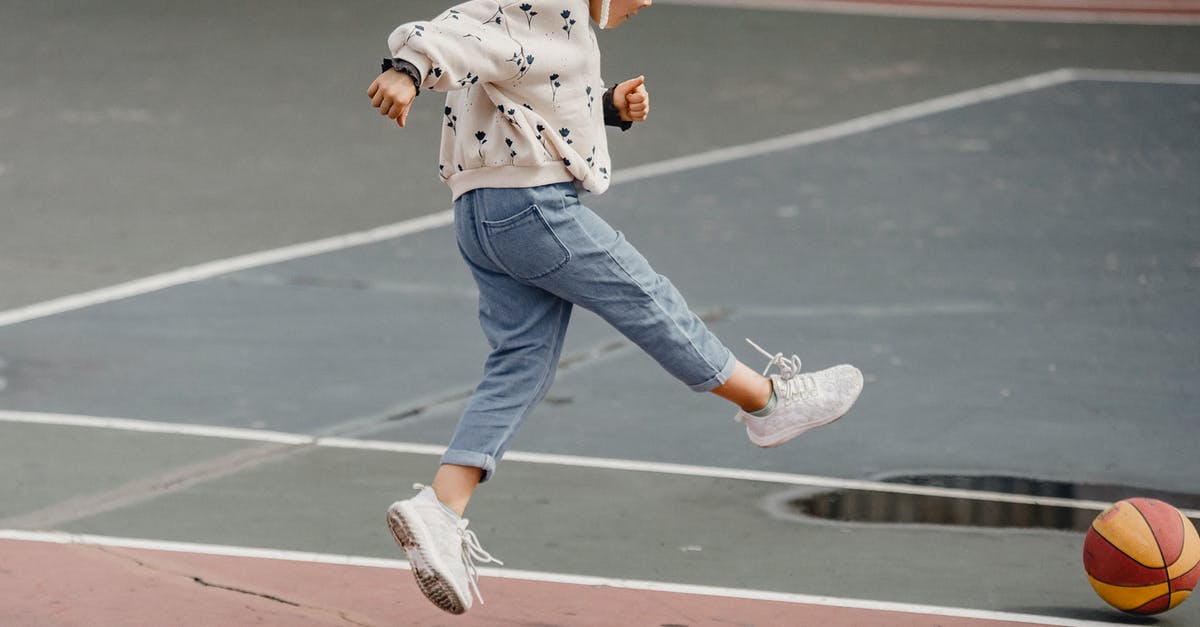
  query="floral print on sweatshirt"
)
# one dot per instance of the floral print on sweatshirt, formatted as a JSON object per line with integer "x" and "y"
{"x": 521, "y": 103}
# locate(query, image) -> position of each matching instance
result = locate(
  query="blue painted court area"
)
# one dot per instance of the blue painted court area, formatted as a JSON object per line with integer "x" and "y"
{"x": 1019, "y": 279}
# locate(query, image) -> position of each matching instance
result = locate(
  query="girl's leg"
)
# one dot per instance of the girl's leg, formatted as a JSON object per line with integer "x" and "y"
{"x": 608, "y": 276}
{"x": 524, "y": 325}
{"x": 518, "y": 373}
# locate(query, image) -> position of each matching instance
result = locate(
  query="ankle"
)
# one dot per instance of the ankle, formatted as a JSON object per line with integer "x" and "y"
{"x": 763, "y": 409}
{"x": 451, "y": 505}
{"x": 453, "y": 485}
{"x": 761, "y": 397}
{"x": 745, "y": 388}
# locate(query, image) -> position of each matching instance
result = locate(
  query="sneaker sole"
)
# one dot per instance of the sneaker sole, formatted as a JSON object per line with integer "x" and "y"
{"x": 412, "y": 535}
{"x": 779, "y": 439}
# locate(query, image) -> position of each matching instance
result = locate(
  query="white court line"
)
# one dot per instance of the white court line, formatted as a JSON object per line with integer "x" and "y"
{"x": 869, "y": 311}
{"x": 147, "y": 426}
{"x": 602, "y": 463}
{"x": 446, "y": 217}
{"x": 850, "y": 127}
{"x": 211, "y": 269}
{"x": 898, "y": 115}
{"x": 52, "y": 537}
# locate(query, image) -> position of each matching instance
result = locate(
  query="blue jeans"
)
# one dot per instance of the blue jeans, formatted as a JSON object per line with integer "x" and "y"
{"x": 534, "y": 252}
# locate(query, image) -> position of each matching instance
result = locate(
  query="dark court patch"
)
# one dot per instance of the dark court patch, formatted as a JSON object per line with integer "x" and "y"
{"x": 885, "y": 507}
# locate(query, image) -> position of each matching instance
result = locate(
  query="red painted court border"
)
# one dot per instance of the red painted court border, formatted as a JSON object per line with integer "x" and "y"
{"x": 62, "y": 579}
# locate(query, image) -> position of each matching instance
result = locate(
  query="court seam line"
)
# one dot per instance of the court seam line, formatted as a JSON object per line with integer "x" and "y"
{"x": 60, "y": 537}
{"x": 935, "y": 9}
{"x": 142, "y": 490}
{"x": 862, "y": 124}
{"x": 578, "y": 461}
{"x": 1136, "y": 76}
{"x": 1071, "y": 5}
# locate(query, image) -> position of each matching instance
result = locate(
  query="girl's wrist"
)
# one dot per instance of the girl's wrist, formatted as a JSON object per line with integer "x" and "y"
{"x": 406, "y": 68}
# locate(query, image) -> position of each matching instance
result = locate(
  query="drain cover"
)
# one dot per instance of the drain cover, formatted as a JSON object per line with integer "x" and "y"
{"x": 887, "y": 507}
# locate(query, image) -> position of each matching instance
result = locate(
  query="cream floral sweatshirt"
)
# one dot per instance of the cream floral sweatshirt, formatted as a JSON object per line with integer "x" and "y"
{"x": 524, "y": 97}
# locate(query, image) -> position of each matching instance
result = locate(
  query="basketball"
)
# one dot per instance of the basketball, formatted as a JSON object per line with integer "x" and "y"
{"x": 1142, "y": 556}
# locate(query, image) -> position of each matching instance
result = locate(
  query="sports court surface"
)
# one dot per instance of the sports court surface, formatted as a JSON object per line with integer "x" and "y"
{"x": 997, "y": 221}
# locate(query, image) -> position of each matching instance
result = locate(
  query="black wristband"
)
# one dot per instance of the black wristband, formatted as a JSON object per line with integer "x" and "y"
{"x": 612, "y": 117}
{"x": 404, "y": 67}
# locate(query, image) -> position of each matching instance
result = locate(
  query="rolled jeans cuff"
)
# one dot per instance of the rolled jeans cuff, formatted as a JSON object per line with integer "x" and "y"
{"x": 720, "y": 378}
{"x": 459, "y": 457}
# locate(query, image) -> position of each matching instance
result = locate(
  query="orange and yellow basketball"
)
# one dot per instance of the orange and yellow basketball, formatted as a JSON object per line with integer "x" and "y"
{"x": 1142, "y": 556}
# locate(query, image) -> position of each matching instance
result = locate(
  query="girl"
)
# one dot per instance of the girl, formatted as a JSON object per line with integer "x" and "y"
{"x": 523, "y": 132}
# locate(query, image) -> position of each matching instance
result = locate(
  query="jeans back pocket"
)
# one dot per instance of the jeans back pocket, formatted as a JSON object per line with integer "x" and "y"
{"x": 525, "y": 245}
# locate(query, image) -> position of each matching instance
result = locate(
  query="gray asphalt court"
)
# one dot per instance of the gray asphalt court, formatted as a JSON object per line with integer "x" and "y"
{"x": 1016, "y": 270}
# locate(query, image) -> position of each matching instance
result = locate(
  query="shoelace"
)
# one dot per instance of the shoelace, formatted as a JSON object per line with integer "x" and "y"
{"x": 796, "y": 385}
{"x": 472, "y": 551}
{"x": 788, "y": 367}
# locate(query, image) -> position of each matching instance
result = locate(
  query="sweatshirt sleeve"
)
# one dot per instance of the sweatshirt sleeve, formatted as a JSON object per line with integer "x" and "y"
{"x": 466, "y": 45}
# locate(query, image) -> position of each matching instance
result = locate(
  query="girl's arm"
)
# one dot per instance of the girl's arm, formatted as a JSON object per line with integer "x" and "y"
{"x": 392, "y": 93}
{"x": 464, "y": 46}
{"x": 627, "y": 102}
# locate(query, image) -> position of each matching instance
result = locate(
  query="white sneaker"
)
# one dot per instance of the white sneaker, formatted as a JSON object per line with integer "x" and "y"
{"x": 440, "y": 550}
{"x": 804, "y": 401}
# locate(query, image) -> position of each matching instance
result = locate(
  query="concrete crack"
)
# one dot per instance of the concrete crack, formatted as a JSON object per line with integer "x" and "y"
{"x": 339, "y": 614}
{"x": 263, "y": 595}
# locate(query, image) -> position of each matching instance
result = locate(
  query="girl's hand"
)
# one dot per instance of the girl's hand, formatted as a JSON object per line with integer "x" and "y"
{"x": 392, "y": 93}
{"x": 632, "y": 100}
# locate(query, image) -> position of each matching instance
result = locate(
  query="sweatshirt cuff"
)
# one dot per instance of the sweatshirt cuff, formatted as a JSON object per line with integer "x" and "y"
{"x": 417, "y": 60}
{"x": 404, "y": 67}
{"x": 612, "y": 117}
